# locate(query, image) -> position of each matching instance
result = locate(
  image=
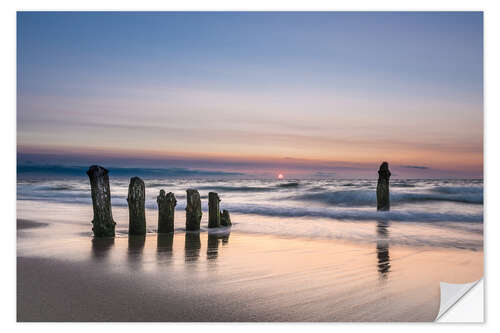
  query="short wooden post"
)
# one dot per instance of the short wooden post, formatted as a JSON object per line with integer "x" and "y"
{"x": 225, "y": 219}
{"x": 166, "y": 210}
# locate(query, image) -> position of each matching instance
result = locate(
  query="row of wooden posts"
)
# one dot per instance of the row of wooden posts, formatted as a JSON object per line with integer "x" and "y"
{"x": 104, "y": 225}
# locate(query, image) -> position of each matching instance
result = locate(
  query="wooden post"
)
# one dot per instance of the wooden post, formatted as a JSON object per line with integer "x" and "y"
{"x": 103, "y": 223}
{"x": 384, "y": 174}
{"x": 225, "y": 219}
{"x": 213, "y": 210}
{"x": 193, "y": 210}
{"x": 166, "y": 209}
{"x": 136, "y": 199}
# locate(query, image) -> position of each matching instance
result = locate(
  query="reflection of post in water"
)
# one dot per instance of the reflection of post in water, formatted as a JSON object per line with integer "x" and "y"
{"x": 213, "y": 244}
{"x": 383, "y": 258}
{"x": 101, "y": 247}
{"x": 192, "y": 246}
{"x": 225, "y": 239}
{"x": 135, "y": 247}
{"x": 164, "y": 244}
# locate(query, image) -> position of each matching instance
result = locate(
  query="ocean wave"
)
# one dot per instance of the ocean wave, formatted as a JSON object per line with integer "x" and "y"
{"x": 58, "y": 188}
{"x": 287, "y": 185}
{"x": 369, "y": 197}
{"x": 221, "y": 188}
{"x": 301, "y": 212}
{"x": 305, "y": 198}
{"x": 351, "y": 214}
{"x": 157, "y": 184}
{"x": 403, "y": 185}
{"x": 459, "y": 189}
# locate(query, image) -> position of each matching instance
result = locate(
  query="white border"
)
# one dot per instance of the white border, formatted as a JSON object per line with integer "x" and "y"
{"x": 8, "y": 149}
{"x": 469, "y": 308}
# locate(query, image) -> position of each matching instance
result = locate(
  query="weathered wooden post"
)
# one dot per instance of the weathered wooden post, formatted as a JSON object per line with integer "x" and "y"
{"x": 213, "y": 210}
{"x": 225, "y": 219}
{"x": 166, "y": 209}
{"x": 193, "y": 210}
{"x": 383, "y": 187}
{"x": 136, "y": 199}
{"x": 103, "y": 224}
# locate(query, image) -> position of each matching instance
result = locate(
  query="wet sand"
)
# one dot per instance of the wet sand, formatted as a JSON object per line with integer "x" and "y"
{"x": 232, "y": 276}
{"x": 27, "y": 224}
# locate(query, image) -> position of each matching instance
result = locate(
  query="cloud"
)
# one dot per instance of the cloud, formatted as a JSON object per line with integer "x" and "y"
{"x": 59, "y": 170}
{"x": 324, "y": 174}
{"x": 415, "y": 167}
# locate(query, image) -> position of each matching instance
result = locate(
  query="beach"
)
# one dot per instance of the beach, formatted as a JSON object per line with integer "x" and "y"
{"x": 247, "y": 166}
{"x": 267, "y": 166}
{"x": 226, "y": 274}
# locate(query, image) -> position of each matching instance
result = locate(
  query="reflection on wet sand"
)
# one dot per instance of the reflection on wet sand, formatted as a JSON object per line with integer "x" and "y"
{"x": 192, "y": 246}
{"x": 164, "y": 245}
{"x": 213, "y": 244}
{"x": 135, "y": 248}
{"x": 383, "y": 258}
{"x": 101, "y": 247}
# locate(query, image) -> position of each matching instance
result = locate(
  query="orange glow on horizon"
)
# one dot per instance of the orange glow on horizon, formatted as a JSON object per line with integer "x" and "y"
{"x": 280, "y": 176}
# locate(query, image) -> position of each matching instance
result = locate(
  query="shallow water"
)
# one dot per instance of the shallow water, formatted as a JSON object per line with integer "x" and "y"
{"x": 441, "y": 213}
{"x": 289, "y": 256}
{"x": 225, "y": 275}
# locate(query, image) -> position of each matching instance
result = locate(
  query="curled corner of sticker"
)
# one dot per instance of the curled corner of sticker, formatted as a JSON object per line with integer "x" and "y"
{"x": 451, "y": 293}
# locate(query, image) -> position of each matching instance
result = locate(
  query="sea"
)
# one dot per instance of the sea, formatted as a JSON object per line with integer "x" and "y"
{"x": 424, "y": 212}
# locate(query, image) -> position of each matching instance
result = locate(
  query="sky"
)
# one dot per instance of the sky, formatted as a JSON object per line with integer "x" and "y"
{"x": 329, "y": 93}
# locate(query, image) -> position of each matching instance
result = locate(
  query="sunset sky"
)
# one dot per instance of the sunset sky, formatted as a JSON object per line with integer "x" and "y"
{"x": 259, "y": 93}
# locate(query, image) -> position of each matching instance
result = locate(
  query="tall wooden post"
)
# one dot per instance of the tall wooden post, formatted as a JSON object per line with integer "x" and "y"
{"x": 383, "y": 202}
{"x": 103, "y": 223}
{"x": 193, "y": 210}
{"x": 213, "y": 210}
{"x": 136, "y": 201}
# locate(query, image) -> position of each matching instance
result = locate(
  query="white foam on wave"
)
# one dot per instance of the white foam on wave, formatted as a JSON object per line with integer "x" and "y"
{"x": 325, "y": 199}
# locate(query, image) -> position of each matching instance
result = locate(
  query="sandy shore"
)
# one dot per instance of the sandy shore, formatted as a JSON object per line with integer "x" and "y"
{"x": 232, "y": 276}
{"x": 28, "y": 224}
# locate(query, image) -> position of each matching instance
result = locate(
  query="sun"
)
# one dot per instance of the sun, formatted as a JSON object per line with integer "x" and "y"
{"x": 280, "y": 176}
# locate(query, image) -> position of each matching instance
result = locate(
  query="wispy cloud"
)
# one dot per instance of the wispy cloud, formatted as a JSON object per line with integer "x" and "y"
{"x": 61, "y": 170}
{"x": 415, "y": 167}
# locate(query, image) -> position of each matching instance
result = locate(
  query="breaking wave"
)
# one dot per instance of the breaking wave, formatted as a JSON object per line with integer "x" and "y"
{"x": 368, "y": 197}
{"x": 353, "y": 214}
{"x": 458, "y": 201}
